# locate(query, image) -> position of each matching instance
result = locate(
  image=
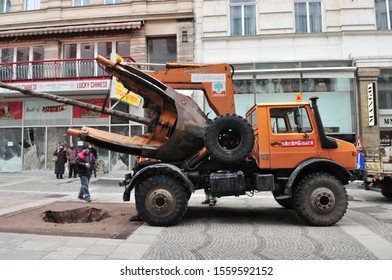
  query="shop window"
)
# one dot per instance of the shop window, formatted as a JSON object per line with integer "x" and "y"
{"x": 242, "y": 17}
{"x": 385, "y": 138}
{"x": 383, "y": 14}
{"x": 30, "y": 5}
{"x": 135, "y": 130}
{"x": 81, "y": 3}
{"x": 161, "y": 50}
{"x": 307, "y": 17}
{"x": 10, "y": 150}
{"x": 5, "y": 6}
{"x": 385, "y": 89}
{"x": 34, "y": 142}
{"x": 122, "y": 107}
{"x": 56, "y": 135}
{"x": 119, "y": 161}
{"x": 112, "y": 1}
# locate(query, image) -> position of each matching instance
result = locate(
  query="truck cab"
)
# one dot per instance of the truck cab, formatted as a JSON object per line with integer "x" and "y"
{"x": 288, "y": 134}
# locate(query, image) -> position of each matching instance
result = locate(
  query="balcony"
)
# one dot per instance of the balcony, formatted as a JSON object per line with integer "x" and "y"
{"x": 51, "y": 70}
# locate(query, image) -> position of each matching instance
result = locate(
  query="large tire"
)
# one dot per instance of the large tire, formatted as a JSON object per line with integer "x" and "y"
{"x": 161, "y": 200}
{"x": 229, "y": 138}
{"x": 320, "y": 199}
{"x": 385, "y": 186}
{"x": 386, "y": 192}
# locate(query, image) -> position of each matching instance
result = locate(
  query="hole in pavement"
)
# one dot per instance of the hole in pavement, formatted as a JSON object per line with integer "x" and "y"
{"x": 79, "y": 215}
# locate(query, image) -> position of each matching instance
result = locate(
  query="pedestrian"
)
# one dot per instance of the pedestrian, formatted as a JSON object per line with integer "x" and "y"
{"x": 71, "y": 157}
{"x": 84, "y": 167}
{"x": 94, "y": 152}
{"x": 60, "y": 159}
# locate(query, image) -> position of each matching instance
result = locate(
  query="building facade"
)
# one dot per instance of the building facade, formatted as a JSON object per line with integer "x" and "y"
{"x": 50, "y": 46}
{"x": 338, "y": 50}
{"x": 333, "y": 49}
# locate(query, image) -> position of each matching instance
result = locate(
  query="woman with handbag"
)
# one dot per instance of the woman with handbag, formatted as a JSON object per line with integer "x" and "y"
{"x": 60, "y": 158}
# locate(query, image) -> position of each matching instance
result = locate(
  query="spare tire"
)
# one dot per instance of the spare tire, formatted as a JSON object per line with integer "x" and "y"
{"x": 229, "y": 138}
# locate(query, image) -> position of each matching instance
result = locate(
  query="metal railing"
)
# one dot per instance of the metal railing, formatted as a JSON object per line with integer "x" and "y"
{"x": 51, "y": 70}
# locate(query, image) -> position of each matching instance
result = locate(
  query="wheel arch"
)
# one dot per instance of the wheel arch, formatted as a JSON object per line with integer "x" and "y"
{"x": 319, "y": 164}
{"x": 158, "y": 169}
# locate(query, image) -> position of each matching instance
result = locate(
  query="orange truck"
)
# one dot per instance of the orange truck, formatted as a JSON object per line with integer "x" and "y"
{"x": 278, "y": 147}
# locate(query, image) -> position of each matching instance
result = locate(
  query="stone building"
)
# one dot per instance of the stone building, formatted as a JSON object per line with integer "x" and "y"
{"x": 338, "y": 50}
{"x": 51, "y": 46}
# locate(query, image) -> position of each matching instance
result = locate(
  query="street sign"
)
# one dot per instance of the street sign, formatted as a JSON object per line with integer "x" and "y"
{"x": 358, "y": 144}
{"x": 360, "y": 161}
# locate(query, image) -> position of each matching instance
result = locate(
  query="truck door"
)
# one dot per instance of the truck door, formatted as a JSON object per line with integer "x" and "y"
{"x": 292, "y": 137}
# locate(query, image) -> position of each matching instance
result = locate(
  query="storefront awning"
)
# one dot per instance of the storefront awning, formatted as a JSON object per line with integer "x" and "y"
{"x": 70, "y": 28}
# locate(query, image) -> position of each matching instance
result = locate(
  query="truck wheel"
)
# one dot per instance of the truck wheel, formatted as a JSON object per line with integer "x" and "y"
{"x": 286, "y": 202}
{"x": 386, "y": 192}
{"x": 320, "y": 199}
{"x": 161, "y": 200}
{"x": 229, "y": 138}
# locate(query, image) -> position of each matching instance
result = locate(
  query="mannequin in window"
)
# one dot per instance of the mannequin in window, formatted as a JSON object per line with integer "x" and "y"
{"x": 270, "y": 87}
{"x": 260, "y": 88}
{"x": 279, "y": 87}
{"x": 311, "y": 85}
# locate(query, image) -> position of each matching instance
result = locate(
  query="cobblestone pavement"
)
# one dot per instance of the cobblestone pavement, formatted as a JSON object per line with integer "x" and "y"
{"x": 236, "y": 228}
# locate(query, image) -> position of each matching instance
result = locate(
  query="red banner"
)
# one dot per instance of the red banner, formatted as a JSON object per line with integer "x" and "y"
{"x": 82, "y": 113}
{"x": 11, "y": 110}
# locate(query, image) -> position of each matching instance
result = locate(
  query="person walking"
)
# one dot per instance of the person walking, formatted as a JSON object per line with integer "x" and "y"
{"x": 84, "y": 167}
{"x": 71, "y": 157}
{"x": 95, "y": 154}
{"x": 60, "y": 159}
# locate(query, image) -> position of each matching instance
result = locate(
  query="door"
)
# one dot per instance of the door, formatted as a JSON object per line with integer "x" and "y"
{"x": 292, "y": 137}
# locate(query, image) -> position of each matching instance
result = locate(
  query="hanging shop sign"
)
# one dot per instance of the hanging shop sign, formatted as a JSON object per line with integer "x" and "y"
{"x": 372, "y": 115}
{"x": 118, "y": 91}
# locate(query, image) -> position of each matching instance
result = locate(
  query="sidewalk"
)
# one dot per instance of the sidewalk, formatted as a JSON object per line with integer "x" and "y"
{"x": 15, "y": 246}
{"x": 238, "y": 228}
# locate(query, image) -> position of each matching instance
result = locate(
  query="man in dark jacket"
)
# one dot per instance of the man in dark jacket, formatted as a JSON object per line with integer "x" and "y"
{"x": 71, "y": 157}
{"x": 84, "y": 167}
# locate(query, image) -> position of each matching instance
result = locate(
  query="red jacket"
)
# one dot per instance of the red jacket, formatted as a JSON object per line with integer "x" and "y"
{"x": 81, "y": 161}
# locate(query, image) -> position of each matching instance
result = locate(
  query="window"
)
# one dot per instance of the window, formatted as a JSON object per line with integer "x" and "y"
{"x": 22, "y": 71}
{"x": 383, "y": 14}
{"x": 112, "y": 1}
{"x": 385, "y": 89}
{"x": 308, "y": 17}
{"x": 32, "y": 5}
{"x": 81, "y": 3}
{"x": 290, "y": 120}
{"x": 161, "y": 50}
{"x": 242, "y": 17}
{"x": 5, "y": 6}
{"x": 86, "y": 52}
